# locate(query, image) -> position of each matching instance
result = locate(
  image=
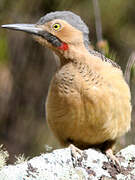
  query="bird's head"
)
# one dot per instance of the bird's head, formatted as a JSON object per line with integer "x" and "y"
{"x": 58, "y": 30}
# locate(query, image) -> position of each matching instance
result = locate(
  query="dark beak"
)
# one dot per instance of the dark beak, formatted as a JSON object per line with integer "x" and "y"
{"x": 29, "y": 28}
{"x": 33, "y": 29}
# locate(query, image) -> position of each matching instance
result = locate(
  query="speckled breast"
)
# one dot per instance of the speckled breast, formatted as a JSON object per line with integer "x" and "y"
{"x": 81, "y": 108}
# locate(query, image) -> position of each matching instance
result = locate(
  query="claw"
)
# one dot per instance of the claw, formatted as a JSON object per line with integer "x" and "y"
{"x": 75, "y": 150}
{"x": 112, "y": 157}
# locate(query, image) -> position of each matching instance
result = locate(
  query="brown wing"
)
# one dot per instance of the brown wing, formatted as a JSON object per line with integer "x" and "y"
{"x": 105, "y": 59}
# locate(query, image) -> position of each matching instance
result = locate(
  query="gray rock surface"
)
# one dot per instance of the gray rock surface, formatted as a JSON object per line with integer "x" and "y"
{"x": 61, "y": 165}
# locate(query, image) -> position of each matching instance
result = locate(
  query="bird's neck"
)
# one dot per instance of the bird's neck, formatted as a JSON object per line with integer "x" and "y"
{"x": 76, "y": 54}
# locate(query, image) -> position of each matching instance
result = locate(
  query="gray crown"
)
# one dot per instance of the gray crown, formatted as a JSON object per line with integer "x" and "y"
{"x": 72, "y": 19}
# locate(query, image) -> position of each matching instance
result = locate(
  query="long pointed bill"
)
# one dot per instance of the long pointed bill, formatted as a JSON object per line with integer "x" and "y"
{"x": 29, "y": 28}
{"x": 33, "y": 29}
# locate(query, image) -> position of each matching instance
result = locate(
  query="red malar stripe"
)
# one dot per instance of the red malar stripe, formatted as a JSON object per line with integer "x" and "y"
{"x": 63, "y": 46}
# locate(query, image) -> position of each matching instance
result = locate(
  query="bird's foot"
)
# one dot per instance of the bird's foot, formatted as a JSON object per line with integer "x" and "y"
{"x": 75, "y": 151}
{"x": 113, "y": 158}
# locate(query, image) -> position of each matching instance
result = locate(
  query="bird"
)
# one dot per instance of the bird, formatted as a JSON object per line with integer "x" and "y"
{"x": 88, "y": 102}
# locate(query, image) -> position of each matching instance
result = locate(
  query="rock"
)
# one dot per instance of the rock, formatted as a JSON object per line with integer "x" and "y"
{"x": 61, "y": 165}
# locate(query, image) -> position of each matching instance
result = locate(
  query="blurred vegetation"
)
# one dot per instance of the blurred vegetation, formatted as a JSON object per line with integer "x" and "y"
{"x": 26, "y": 68}
{"x": 3, "y": 49}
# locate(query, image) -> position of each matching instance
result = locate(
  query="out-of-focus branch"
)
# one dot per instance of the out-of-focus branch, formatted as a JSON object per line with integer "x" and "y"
{"x": 130, "y": 75}
{"x": 102, "y": 45}
{"x": 97, "y": 20}
{"x": 129, "y": 68}
{"x": 130, "y": 78}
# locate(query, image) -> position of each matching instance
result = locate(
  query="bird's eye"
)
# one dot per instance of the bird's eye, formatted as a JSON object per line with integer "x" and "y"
{"x": 56, "y": 26}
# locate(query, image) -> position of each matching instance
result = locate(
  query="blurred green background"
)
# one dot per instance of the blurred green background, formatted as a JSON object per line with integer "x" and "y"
{"x": 26, "y": 68}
